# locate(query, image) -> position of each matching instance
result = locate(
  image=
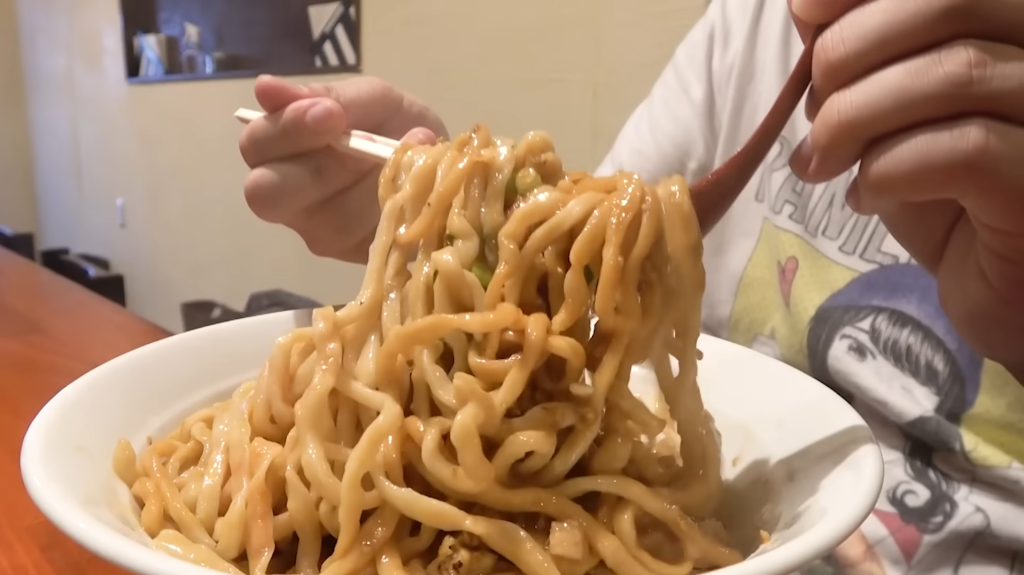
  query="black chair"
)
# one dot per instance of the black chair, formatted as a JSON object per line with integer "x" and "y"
{"x": 202, "y": 313}
{"x": 275, "y": 300}
{"x": 21, "y": 243}
{"x": 90, "y": 271}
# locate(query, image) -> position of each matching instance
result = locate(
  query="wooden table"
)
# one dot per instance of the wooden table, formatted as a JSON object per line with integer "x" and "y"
{"x": 51, "y": 332}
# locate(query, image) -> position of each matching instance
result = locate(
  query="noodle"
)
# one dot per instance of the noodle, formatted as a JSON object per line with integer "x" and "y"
{"x": 464, "y": 415}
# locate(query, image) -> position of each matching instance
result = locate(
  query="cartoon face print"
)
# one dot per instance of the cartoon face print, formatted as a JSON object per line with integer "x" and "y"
{"x": 854, "y": 360}
{"x": 883, "y": 340}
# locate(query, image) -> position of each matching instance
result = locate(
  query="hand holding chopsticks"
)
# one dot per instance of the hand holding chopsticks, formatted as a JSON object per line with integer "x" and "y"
{"x": 355, "y": 142}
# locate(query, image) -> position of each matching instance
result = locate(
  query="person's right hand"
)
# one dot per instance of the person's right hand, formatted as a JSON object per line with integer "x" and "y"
{"x": 297, "y": 179}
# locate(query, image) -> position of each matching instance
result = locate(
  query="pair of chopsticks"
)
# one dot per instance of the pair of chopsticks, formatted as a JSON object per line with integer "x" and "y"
{"x": 356, "y": 142}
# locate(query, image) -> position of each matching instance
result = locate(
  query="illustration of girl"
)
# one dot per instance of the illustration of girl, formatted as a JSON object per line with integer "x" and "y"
{"x": 884, "y": 344}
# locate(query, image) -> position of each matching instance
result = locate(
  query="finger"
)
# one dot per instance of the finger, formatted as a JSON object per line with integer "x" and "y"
{"x": 950, "y": 244}
{"x": 951, "y": 194}
{"x": 816, "y": 12}
{"x": 421, "y": 136}
{"x": 973, "y": 161}
{"x": 971, "y": 271}
{"x": 879, "y": 32}
{"x": 812, "y": 104}
{"x": 373, "y": 105}
{"x": 368, "y": 102}
{"x": 273, "y": 93}
{"x": 342, "y": 225}
{"x": 923, "y": 228}
{"x": 301, "y": 127}
{"x": 975, "y": 279}
{"x": 277, "y": 191}
{"x": 957, "y": 79}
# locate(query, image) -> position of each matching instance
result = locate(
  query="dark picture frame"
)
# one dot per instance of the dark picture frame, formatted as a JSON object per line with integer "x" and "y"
{"x": 182, "y": 40}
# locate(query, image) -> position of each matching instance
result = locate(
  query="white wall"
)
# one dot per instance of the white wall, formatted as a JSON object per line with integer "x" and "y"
{"x": 573, "y": 67}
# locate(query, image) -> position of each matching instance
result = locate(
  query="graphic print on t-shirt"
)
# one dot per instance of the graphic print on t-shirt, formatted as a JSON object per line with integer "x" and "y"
{"x": 881, "y": 340}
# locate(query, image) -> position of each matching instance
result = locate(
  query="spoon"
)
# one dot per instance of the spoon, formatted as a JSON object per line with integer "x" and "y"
{"x": 713, "y": 194}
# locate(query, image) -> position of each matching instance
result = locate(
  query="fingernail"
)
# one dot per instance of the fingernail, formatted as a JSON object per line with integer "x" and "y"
{"x": 321, "y": 114}
{"x": 421, "y": 136}
{"x": 853, "y": 196}
{"x": 802, "y": 158}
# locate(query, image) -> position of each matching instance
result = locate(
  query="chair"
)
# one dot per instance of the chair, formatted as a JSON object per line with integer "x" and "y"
{"x": 202, "y": 313}
{"x": 90, "y": 271}
{"x": 21, "y": 243}
{"x": 275, "y": 300}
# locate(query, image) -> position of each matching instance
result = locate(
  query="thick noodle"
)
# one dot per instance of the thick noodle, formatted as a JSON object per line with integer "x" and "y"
{"x": 469, "y": 413}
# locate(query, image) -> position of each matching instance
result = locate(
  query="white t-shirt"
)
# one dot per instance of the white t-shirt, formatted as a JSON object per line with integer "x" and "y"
{"x": 794, "y": 273}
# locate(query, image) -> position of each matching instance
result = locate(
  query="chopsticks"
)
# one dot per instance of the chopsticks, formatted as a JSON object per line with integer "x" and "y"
{"x": 356, "y": 142}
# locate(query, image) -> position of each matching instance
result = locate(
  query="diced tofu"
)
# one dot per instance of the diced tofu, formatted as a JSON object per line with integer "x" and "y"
{"x": 566, "y": 539}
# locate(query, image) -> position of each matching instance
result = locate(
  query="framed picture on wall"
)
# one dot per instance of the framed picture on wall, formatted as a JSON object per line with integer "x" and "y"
{"x": 168, "y": 40}
{"x": 335, "y": 28}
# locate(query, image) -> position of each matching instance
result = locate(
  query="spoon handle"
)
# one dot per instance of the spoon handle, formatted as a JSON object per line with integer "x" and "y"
{"x": 713, "y": 194}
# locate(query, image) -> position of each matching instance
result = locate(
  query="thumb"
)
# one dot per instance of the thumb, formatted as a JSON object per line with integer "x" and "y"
{"x": 369, "y": 103}
{"x": 809, "y": 13}
{"x": 274, "y": 94}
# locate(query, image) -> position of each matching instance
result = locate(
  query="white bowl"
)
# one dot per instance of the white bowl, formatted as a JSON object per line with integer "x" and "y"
{"x": 800, "y": 462}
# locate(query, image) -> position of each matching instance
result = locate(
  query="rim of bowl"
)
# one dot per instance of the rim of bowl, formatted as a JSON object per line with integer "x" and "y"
{"x": 65, "y": 512}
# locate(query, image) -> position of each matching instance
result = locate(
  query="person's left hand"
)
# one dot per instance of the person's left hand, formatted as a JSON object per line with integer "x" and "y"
{"x": 929, "y": 97}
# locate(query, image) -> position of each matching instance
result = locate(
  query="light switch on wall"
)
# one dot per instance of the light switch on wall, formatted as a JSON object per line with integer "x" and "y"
{"x": 119, "y": 202}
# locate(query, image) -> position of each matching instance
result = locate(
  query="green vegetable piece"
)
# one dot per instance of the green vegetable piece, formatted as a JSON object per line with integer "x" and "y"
{"x": 483, "y": 273}
{"x": 510, "y": 189}
{"x": 521, "y": 182}
{"x": 527, "y": 180}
